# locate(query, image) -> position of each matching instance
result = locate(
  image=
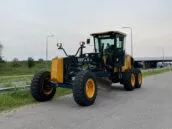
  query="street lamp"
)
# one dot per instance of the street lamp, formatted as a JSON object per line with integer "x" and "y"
{"x": 128, "y": 27}
{"x": 163, "y": 55}
{"x": 47, "y": 37}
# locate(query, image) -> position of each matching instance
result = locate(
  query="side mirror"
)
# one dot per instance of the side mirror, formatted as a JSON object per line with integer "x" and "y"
{"x": 88, "y": 41}
{"x": 82, "y": 43}
{"x": 59, "y": 45}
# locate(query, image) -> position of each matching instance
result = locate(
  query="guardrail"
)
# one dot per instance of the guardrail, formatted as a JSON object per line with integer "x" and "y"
{"x": 13, "y": 88}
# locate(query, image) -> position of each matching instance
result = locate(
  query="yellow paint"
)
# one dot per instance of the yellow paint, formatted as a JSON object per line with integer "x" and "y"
{"x": 47, "y": 90}
{"x": 127, "y": 64}
{"x": 133, "y": 80}
{"x": 57, "y": 70}
{"x": 140, "y": 78}
{"x": 105, "y": 59}
{"x": 115, "y": 69}
{"x": 90, "y": 88}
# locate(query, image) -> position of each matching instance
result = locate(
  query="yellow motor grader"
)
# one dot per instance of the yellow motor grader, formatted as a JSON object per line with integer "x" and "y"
{"x": 80, "y": 71}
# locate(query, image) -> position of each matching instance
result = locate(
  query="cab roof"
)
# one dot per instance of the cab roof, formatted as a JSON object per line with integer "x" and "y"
{"x": 108, "y": 32}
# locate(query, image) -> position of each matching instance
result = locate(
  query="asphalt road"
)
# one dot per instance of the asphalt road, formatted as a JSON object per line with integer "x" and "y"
{"x": 149, "y": 107}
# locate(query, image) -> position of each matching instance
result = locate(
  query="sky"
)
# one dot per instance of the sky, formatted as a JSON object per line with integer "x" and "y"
{"x": 25, "y": 24}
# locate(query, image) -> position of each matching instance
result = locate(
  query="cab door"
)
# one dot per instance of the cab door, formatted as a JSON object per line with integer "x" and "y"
{"x": 119, "y": 52}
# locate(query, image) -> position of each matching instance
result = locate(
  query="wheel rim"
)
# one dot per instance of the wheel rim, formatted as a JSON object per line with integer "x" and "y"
{"x": 132, "y": 80}
{"x": 139, "y": 78}
{"x": 90, "y": 88}
{"x": 46, "y": 88}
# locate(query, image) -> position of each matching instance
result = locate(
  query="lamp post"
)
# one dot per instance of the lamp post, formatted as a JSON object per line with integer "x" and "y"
{"x": 130, "y": 28}
{"x": 47, "y": 37}
{"x": 163, "y": 55}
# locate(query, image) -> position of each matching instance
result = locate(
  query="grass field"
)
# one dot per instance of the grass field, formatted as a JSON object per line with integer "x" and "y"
{"x": 11, "y": 81}
{"x": 22, "y": 75}
{"x": 12, "y": 99}
{"x": 156, "y": 71}
{"x": 7, "y": 68}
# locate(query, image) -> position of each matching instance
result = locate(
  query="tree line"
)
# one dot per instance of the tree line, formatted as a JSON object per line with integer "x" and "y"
{"x": 16, "y": 62}
{"x": 1, "y": 47}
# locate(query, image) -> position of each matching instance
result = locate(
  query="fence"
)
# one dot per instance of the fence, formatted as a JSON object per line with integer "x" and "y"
{"x": 13, "y": 88}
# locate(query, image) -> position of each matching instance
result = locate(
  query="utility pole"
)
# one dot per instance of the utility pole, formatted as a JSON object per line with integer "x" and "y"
{"x": 163, "y": 55}
{"x": 131, "y": 32}
{"x": 47, "y": 37}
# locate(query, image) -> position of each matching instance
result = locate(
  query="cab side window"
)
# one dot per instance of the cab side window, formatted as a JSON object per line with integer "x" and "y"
{"x": 119, "y": 42}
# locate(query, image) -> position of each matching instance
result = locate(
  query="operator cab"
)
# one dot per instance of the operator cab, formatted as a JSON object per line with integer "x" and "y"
{"x": 111, "y": 45}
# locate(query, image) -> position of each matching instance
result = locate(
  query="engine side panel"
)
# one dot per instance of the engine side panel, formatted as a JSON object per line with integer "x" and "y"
{"x": 57, "y": 70}
{"x": 128, "y": 63}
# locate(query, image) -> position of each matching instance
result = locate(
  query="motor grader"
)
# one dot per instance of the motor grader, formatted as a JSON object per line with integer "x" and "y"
{"x": 81, "y": 71}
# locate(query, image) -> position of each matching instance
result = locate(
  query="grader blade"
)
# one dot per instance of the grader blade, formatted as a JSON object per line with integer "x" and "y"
{"x": 104, "y": 83}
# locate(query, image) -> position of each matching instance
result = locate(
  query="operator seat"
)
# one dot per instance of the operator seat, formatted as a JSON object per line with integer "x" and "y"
{"x": 109, "y": 54}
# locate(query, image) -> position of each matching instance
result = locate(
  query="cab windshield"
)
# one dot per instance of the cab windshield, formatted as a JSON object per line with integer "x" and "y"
{"x": 103, "y": 44}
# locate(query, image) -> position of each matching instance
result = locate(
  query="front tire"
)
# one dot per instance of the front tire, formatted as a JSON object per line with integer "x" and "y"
{"x": 84, "y": 88}
{"x": 40, "y": 88}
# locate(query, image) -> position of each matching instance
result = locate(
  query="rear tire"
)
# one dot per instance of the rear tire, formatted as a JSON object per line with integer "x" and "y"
{"x": 40, "y": 87}
{"x": 84, "y": 88}
{"x": 129, "y": 80}
{"x": 138, "y": 78}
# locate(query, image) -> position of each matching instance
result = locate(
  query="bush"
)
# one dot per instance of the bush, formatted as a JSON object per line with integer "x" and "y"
{"x": 1, "y": 60}
{"x": 30, "y": 62}
{"x": 40, "y": 60}
{"x": 15, "y": 62}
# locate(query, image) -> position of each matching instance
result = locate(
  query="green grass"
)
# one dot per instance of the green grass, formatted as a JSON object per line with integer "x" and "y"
{"x": 11, "y": 81}
{"x": 7, "y": 69}
{"x": 9, "y": 78}
{"x": 63, "y": 91}
{"x": 13, "y": 99}
{"x": 155, "y": 71}
{"x": 12, "y": 76}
